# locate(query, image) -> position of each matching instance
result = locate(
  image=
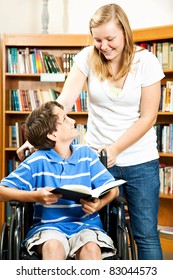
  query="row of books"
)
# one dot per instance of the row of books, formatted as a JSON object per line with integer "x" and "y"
{"x": 163, "y": 51}
{"x": 81, "y": 103}
{"x": 25, "y": 99}
{"x": 166, "y": 101}
{"x": 17, "y": 135}
{"x": 35, "y": 61}
{"x": 164, "y": 134}
{"x": 28, "y": 100}
{"x": 166, "y": 179}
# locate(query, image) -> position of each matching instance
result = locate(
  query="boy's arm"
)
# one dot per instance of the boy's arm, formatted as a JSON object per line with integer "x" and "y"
{"x": 91, "y": 207}
{"x": 42, "y": 195}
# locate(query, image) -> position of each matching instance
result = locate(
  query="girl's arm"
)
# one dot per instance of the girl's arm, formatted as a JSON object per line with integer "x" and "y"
{"x": 21, "y": 151}
{"x": 150, "y": 99}
{"x": 73, "y": 86}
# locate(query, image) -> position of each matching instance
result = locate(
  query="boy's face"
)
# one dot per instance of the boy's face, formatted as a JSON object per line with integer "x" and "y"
{"x": 65, "y": 126}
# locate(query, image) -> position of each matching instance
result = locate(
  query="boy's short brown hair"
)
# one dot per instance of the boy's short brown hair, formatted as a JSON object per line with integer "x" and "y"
{"x": 39, "y": 123}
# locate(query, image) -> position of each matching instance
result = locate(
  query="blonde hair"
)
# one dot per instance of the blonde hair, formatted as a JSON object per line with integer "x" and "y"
{"x": 98, "y": 63}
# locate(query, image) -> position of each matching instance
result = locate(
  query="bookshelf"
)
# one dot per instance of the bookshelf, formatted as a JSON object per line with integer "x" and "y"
{"x": 1, "y": 204}
{"x": 0, "y": 111}
{"x": 59, "y": 44}
{"x": 159, "y": 35}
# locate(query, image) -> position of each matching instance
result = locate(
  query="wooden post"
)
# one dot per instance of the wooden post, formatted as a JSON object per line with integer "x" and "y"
{"x": 45, "y": 17}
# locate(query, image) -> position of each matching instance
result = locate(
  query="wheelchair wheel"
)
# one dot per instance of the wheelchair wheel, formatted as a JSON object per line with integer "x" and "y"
{"x": 131, "y": 244}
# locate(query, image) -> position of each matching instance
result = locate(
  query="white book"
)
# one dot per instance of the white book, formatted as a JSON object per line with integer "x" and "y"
{"x": 166, "y": 229}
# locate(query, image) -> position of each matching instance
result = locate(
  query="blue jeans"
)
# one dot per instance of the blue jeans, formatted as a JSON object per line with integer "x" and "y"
{"x": 142, "y": 194}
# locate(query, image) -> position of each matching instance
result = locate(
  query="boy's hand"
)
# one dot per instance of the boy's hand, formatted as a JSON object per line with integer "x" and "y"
{"x": 46, "y": 197}
{"x": 90, "y": 207}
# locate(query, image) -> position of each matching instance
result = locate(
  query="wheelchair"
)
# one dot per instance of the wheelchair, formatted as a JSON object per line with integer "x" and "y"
{"x": 113, "y": 217}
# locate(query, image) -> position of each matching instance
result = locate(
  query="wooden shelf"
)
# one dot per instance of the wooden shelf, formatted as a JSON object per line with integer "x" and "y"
{"x": 165, "y": 114}
{"x": 158, "y": 33}
{"x": 167, "y": 196}
{"x": 48, "y": 40}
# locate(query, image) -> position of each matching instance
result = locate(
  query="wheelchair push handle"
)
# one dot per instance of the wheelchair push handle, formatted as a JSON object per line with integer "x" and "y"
{"x": 27, "y": 153}
{"x": 103, "y": 157}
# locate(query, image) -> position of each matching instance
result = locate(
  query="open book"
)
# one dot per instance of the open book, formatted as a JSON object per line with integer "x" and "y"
{"x": 76, "y": 192}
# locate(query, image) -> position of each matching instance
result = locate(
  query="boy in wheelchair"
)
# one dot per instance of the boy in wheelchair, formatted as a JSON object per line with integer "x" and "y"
{"x": 61, "y": 228}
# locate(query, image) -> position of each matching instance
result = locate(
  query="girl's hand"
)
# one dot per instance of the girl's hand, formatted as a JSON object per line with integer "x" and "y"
{"x": 21, "y": 151}
{"x": 111, "y": 155}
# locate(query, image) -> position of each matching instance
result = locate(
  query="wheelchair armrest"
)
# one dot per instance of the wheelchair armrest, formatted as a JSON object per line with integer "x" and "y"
{"x": 16, "y": 203}
{"x": 119, "y": 204}
{"x": 103, "y": 157}
{"x": 119, "y": 201}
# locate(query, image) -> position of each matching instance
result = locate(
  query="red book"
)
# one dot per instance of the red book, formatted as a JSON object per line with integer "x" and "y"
{"x": 78, "y": 105}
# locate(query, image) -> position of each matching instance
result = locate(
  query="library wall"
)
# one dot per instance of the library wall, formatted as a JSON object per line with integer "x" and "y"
{"x": 25, "y": 16}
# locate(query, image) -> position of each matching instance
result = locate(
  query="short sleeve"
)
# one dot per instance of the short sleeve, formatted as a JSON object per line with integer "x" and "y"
{"x": 81, "y": 60}
{"x": 20, "y": 178}
{"x": 151, "y": 69}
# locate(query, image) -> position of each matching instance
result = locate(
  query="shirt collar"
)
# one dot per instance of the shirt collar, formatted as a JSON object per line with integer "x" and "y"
{"x": 55, "y": 157}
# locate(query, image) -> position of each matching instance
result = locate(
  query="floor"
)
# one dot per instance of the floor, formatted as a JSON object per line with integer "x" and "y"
{"x": 167, "y": 256}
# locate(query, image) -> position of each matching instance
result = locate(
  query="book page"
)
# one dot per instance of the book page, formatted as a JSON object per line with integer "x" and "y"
{"x": 106, "y": 188}
{"x": 78, "y": 188}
